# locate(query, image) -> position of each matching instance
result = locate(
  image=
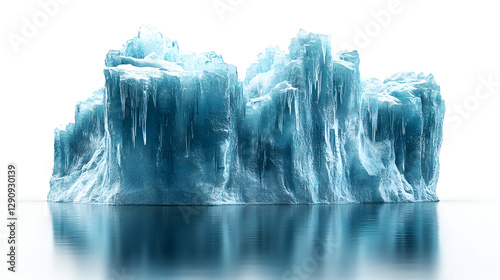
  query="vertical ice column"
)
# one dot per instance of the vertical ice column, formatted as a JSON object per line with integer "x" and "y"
{"x": 172, "y": 128}
{"x": 409, "y": 118}
{"x": 77, "y": 149}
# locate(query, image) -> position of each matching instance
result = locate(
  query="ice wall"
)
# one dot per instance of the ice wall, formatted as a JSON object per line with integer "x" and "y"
{"x": 178, "y": 128}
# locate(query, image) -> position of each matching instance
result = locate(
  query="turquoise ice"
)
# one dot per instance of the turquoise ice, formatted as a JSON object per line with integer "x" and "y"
{"x": 171, "y": 127}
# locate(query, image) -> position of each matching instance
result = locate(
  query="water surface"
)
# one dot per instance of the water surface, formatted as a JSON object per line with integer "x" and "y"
{"x": 359, "y": 241}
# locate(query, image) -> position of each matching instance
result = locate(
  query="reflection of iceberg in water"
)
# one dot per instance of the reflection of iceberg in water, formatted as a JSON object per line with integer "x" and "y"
{"x": 260, "y": 242}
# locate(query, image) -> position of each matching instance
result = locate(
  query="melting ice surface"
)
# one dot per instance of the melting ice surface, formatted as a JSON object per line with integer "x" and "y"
{"x": 171, "y": 127}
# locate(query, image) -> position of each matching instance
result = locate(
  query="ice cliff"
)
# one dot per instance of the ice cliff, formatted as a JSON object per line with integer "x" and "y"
{"x": 171, "y": 127}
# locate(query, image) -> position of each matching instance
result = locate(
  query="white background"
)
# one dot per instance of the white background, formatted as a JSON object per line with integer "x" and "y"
{"x": 61, "y": 62}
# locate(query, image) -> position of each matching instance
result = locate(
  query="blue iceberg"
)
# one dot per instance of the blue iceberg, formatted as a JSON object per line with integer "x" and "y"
{"x": 177, "y": 128}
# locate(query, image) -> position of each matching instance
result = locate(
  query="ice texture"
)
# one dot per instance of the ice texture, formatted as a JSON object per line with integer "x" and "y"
{"x": 175, "y": 128}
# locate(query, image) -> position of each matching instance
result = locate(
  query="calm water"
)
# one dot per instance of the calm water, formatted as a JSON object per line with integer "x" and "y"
{"x": 446, "y": 240}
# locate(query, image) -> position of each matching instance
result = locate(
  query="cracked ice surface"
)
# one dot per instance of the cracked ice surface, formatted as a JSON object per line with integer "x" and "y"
{"x": 171, "y": 127}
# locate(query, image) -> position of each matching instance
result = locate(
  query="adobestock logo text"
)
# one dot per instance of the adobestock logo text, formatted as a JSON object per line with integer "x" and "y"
{"x": 32, "y": 25}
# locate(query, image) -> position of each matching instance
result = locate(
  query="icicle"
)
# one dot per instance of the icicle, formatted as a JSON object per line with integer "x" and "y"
{"x": 118, "y": 155}
{"x": 404, "y": 155}
{"x": 403, "y": 124}
{"x": 155, "y": 91}
{"x": 374, "y": 121}
{"x": 316, "y": 73}
{"x": 289, "y": 101}
{"x": 133, "y": 136}
{"x": 123, "y": 96}
{"x": 192, "y": 130}
{"x": 133, "y": 112}
{"x": 144, "y": 113}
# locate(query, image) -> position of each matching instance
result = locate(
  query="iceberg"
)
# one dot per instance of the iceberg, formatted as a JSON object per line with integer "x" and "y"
{"x": 177, "y": 128}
